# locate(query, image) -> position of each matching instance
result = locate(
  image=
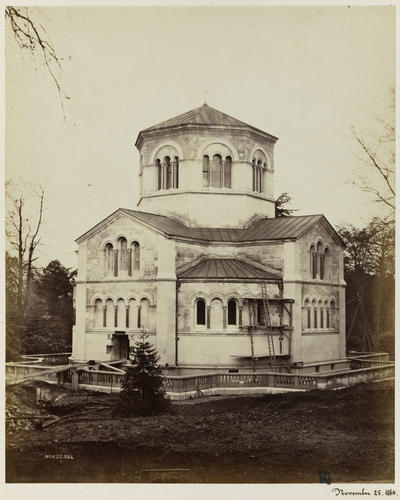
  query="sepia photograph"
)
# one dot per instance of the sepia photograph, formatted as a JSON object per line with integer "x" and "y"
{"x": 200, "y": 245}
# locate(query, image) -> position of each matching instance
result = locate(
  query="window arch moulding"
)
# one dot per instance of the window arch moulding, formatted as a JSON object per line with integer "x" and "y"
{"x": 218, "y": 146}
{"x": 167, "y": 148}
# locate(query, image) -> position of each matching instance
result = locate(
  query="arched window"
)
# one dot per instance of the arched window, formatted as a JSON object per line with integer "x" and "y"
{"x": 98, "y": 314}
{"x": 109, "y": 259}
{"x": 228, "y": 172}
{"x": 259, "y": 163}
{"x": 259, "y": 176}
{"x": 232, "y": 312}
{"x": 206, "y": 171}
{"x": 144, "y": 314}
{"x": 321, "y": 314}
{"x": 168, "y": 172}
{"x": 313, "y": 262}
{"x": 327, "y": 264}
{"x": 200, "y": 312}
{"x": 122, "y": 247}
{"x": 327, "y": 315}
{"x": 216, "y": 314}
{"x": 121, "y": 314}
{"x": 159, "y": 174}
{"x": 176, "y": 172}
{"x": 135, "y": 258}
{"x": 333, "y": 314}
{"x": 307, "y": 314}
{"x": 216, "y": 171}
{"x": 110, "y": 313}
{"x": 320, "y": 260}
{"x": 166, "y": 162}
{"x": 315, "y": 314}
{"x": 133, "y": 314}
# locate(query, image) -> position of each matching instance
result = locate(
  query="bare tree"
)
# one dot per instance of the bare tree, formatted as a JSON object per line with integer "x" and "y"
{"x": 22, "y": 232}
{"x": 378, "y": 178}
{"x": 33, "y": 37}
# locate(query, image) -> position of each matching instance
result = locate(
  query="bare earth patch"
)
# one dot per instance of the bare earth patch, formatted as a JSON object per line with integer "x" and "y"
{"x": 286, "y": 438}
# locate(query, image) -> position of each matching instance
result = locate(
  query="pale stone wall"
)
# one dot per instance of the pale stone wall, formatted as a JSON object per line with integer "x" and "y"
{"x": 151, "y": 286}
{"x": 317, "y": 343}
{"x": 185, "y": 202}
{"x": 221, "y": 343}
{"x": 122, "y": 225}
{"x": 267, "y": 255}
{"x": 210, "y": 208}
{"x": 199, "y": 345}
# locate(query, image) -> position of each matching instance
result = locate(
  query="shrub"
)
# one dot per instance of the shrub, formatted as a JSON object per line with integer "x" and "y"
{"x": 143, "y": 391}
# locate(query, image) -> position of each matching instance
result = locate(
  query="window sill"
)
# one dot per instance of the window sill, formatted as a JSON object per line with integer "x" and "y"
{"x": 320, "y": 331}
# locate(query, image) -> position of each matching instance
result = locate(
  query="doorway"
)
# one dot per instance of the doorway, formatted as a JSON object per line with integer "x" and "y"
{"x": 120, "y": 342}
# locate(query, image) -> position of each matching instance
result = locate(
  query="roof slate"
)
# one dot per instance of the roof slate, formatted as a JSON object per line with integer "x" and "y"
{"x": 204, "y": 115}
{"x": 226, "y": 269}
{"x": 291, "y": 227}
{"x": 274, "y": 229}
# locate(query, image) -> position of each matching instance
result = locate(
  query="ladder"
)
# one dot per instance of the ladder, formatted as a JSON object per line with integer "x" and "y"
{"x": 268, "y": 327}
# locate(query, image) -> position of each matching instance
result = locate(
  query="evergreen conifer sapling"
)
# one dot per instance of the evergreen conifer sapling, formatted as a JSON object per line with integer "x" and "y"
{"x": 142, "y": 391}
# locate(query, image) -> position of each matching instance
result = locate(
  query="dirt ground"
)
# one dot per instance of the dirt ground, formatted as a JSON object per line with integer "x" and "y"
{"x": 286, "y": 438}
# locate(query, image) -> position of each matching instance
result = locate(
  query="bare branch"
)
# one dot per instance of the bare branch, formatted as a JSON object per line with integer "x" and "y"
{"x": 28, "y": 36}
{"x": 382, "y": 170}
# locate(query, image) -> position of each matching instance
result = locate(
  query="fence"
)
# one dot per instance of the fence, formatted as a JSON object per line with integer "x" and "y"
{"x": 189, "y": 383}
{"x": 383, "y": 356}
{"x": 57, "y": 358}
{"x": 367, "y": 363}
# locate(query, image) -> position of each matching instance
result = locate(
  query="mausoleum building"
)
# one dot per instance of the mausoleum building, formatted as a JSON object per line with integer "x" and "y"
{"x": 187, "y": 265}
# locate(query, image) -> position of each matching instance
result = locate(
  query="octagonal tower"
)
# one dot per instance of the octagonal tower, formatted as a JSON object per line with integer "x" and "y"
{"x": 206, "y": 169}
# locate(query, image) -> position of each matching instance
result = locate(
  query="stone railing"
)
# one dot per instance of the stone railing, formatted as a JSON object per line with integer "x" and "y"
{"x": 383, "y": 356}
{"x": 100, "y": 377}
{"x": 356, "y": 363}
{"x": 190, "y": 383}
{"x": 58, "y": 358}
{"x": 21, "y": 370}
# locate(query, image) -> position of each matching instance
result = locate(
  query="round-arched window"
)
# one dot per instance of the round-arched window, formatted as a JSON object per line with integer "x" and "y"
{"x": 232, "y": 312}
{"x": 200, "y": 312}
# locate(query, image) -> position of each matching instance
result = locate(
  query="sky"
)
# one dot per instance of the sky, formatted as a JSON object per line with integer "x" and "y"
{"x": 304, "y": 74}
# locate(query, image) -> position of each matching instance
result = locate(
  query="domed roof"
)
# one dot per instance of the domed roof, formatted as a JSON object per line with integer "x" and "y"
{"x": 204, "y": 116}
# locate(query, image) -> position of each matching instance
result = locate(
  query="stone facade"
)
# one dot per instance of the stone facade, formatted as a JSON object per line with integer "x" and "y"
{"x": 137, "y": 271}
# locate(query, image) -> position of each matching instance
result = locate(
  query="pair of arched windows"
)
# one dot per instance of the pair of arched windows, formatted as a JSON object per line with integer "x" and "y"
{"x": 258, "y": 175}
{"x": 319, "y": 315}
{"x": 216, "y": 316}
{"x": 319, "y": 262}
{"x": 123, "y": 259}
{"x": 217, "y": 172}
{"x": 167, "y": 172}
{"x": 121, "y": 314}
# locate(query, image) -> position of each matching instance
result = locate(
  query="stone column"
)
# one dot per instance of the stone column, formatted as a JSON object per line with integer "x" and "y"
{"x": 127, "y": 316}
{"x": 240, "y": 315}
{"x": 224, "y": 317}
{"x": 208, "y": 317}
{"x": 104, "y": 316}
{"x": 163, "y": 176}
{"x": 115, "y": 316}
{"x": 172, "y": 163}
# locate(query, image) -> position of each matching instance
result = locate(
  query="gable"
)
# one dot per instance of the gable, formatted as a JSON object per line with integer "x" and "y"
{"x": 111, "y": 220}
